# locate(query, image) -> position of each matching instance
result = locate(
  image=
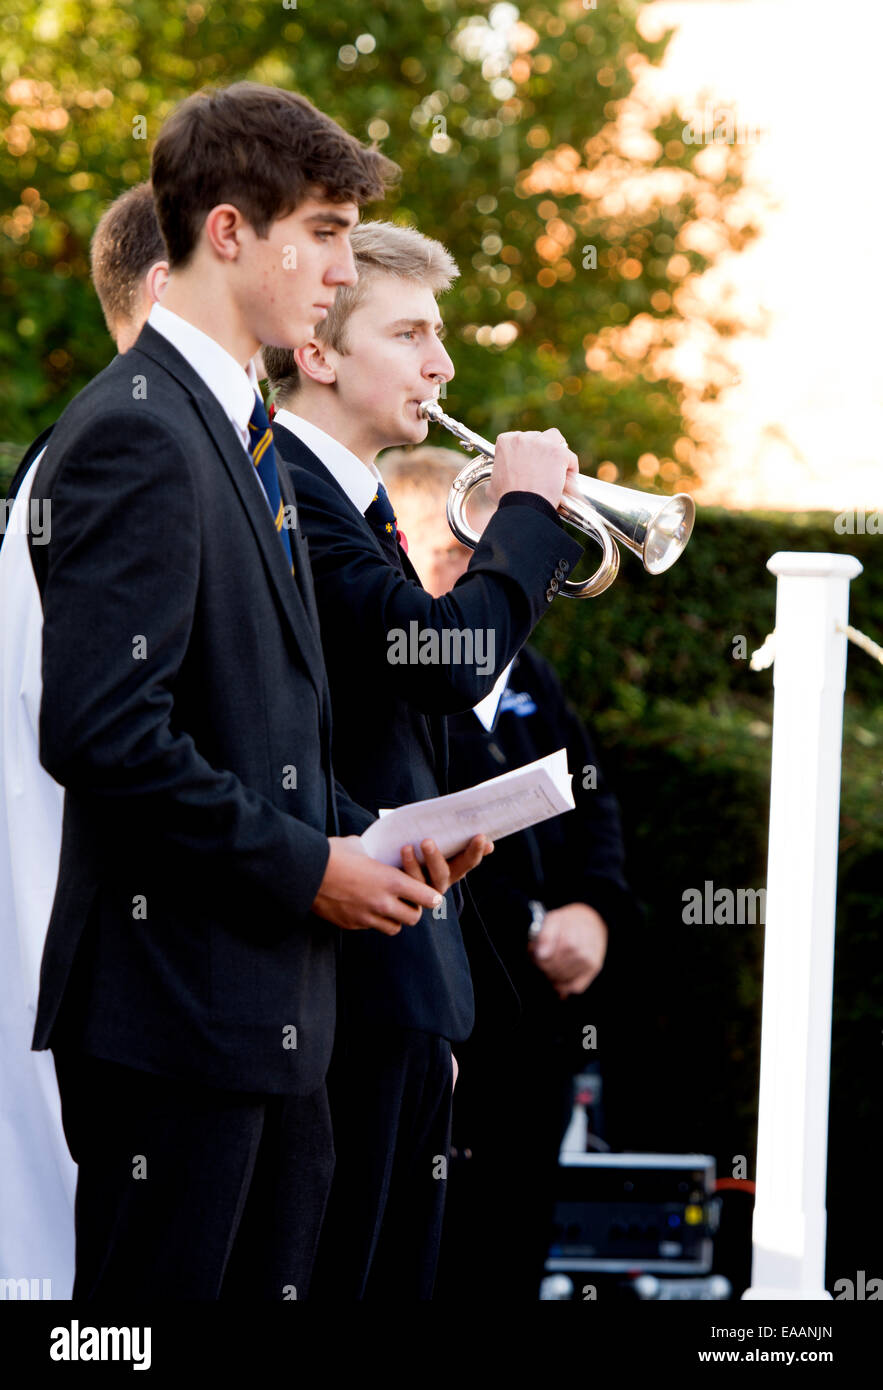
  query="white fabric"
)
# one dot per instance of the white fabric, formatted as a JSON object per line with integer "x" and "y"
{"x": 38, "y": 1174}
{"x": 486, "y": 710}
{"x": 358, "y": 480}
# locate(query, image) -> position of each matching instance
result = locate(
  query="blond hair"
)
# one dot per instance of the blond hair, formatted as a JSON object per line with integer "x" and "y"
{"x": 379, "y": 248}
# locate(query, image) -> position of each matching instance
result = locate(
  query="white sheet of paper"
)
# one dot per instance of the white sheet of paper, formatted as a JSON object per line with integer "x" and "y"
{"x": 513, "y": 801}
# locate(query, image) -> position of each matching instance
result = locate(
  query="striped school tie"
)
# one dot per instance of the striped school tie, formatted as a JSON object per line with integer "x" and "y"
{"x": 263, "y": 456}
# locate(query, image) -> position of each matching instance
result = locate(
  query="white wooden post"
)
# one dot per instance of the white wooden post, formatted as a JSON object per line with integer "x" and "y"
{"x": 795, "y": 1057}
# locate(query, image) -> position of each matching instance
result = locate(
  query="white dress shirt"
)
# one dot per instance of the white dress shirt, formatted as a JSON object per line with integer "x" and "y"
{"x": 234, "y": 386}
{"x": 359, "y": 481}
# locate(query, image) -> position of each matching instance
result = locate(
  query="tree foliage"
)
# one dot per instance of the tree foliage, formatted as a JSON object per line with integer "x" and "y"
{"x": 571, "y": 210}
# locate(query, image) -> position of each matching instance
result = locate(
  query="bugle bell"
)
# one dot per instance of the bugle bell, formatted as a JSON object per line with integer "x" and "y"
{"x": 654, "y": 528}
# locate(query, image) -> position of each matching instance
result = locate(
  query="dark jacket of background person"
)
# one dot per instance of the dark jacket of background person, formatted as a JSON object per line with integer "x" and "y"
{"x": 577, "y": 857}
{"x": 513, "y": 1096}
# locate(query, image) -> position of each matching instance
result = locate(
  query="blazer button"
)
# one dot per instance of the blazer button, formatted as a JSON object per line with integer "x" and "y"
{"x": 553, "y": 585}
{"x": 564, "y": 566}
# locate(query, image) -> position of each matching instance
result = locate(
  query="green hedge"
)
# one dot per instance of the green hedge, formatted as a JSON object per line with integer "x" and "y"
{"x": 684, "y": 730}
{"x": 9, "y": 457}
{"x": 672, "y": 636}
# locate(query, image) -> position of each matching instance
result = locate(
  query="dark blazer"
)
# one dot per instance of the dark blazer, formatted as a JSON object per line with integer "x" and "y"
{"x": 389, "y": 732}
{"x": 186, "y": 712}
{"x": 578, "y": 857}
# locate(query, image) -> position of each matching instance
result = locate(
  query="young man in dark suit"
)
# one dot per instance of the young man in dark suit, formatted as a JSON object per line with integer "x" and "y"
{"x": 188, "y": 980}
{"x": 352, "y": 391}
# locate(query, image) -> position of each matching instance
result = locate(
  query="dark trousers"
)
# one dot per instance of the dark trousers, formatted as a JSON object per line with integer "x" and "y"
{"x": 186, "y": 1192}
{"x": 390, "y": 1095}
{"x": 511, "y": 1110}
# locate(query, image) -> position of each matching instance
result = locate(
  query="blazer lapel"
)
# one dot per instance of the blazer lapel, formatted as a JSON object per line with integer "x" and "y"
{"x": 300, "y": 454}
{"x": 295, "y": 598}
{"x": 301, "y": 555}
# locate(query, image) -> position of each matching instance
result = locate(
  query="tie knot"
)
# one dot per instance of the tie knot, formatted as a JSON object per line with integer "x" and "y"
{"x": 380, "y": 510}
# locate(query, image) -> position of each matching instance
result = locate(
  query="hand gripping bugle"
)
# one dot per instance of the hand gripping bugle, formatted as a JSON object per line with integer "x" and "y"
{"x": 655, "y": 528}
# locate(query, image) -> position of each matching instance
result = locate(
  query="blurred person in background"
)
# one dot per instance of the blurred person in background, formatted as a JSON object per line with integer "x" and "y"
{"x": 563, "y": 877}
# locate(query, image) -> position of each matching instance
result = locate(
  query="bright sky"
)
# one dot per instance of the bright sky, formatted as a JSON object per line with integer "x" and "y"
{"x": 803, "y": 427}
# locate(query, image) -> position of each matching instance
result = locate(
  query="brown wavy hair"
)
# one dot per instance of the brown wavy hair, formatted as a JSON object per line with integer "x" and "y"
{"x": 125, "y": 244}
{"x": 263, "y": 149}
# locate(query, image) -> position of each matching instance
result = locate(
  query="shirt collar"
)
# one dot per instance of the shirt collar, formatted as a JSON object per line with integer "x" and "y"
{"x": 358, "y": 481}
{"x": 233, "y": 385}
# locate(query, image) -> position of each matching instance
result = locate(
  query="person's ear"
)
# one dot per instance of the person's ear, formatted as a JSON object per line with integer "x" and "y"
{"x": 156, "y": 280}
{"x": 317, "y": 362}
{"x": 222, "y": 229}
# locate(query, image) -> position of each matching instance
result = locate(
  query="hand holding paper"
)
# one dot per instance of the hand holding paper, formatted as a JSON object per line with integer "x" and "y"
{"x": 513, "y": 801}
{"x": 438, "y": 871}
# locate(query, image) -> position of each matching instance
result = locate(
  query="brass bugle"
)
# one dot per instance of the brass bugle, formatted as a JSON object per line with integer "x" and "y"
{"x": 656, "y": 529}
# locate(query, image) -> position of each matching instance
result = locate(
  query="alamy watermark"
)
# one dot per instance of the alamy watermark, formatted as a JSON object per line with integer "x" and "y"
{"x": 720, "y": 125}
{"x": 76, "y": 1343}
{"x": 858, "y": 522}
{"x": 709, "y": 906}
{"x": 35, "y": 519}
{"x": 449, "y": 646}
{"x": 17, "y": 1289}
{"x": 861, "y": 1289}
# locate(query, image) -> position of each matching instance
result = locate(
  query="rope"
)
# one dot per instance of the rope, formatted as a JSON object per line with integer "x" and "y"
{"x": 862, "y": 641}
{"x": 765, "y": 655}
